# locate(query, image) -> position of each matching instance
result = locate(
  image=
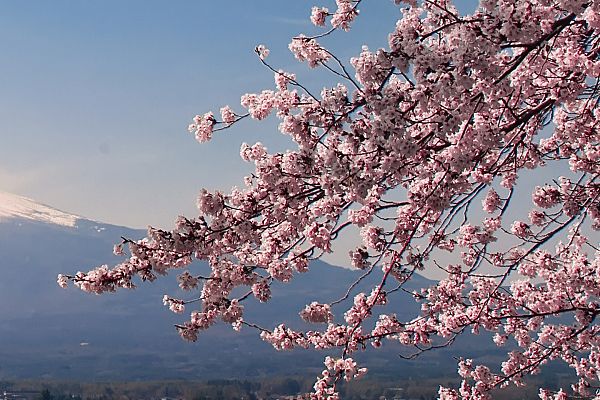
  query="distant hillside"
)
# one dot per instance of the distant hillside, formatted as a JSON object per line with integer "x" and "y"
{"x": 49, "y": 332}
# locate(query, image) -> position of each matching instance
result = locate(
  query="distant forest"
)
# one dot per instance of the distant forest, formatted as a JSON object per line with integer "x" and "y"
{"x": 222, "y": 389}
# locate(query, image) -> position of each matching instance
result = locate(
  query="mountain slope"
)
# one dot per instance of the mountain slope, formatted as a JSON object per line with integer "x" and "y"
{"x": 49, "y": 332}
{"x": 18, "y": 207}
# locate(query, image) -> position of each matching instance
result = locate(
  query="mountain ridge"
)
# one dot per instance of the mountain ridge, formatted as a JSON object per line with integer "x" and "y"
{"x": 13, "y": 206}
{"x": 129, "y": 335}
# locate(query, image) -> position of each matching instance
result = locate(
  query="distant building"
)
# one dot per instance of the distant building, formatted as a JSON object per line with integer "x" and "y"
{"x": 20, "y": 395}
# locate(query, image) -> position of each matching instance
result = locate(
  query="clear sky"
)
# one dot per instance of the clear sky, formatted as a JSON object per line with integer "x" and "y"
{"x": 96, "y": 96}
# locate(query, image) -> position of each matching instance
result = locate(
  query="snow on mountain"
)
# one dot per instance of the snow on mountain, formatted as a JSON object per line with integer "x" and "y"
{"x": 15, "y": 206}
{"x": 129, "y": 334}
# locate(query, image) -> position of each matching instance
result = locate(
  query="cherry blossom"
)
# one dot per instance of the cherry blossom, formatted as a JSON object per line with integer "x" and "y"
{"x": 467, "y": 149}
{"x": 318, "y": 15}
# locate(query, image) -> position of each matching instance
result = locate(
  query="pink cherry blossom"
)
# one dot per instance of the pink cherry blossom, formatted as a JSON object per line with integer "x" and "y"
{"x": 227, "y": 115}
{"x": 262, "y": 51}
{"x": 318, "y": 15}
{"x": 401, "y": 152}
{"x": 202, "y": 127}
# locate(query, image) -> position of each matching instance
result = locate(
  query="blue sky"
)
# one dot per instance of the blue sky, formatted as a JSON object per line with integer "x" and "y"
{"x": 97, "y": 95}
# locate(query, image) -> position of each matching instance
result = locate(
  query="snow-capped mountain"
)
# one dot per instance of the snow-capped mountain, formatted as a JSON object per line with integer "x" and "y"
{"x": 14, "y": 206}
{"x": 49, "y": 332}
{"x": 128, "y": 334}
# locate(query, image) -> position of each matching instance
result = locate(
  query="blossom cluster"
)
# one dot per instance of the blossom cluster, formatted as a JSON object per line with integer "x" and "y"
{"x": 425, "y": 147}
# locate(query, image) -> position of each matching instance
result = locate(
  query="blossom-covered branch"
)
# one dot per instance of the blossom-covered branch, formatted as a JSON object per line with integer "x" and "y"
{"x": 426, "y": 148}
